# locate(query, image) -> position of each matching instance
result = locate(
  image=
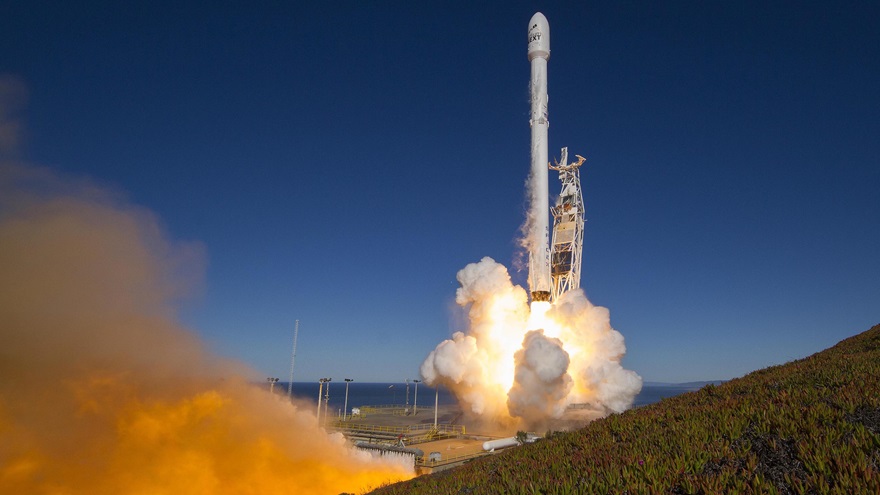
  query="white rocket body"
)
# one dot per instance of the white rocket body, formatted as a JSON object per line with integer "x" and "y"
{"x": 539, "y": 242}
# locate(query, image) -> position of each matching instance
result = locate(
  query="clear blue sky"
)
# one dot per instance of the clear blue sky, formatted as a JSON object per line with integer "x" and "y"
{"x": 340, "y": 161}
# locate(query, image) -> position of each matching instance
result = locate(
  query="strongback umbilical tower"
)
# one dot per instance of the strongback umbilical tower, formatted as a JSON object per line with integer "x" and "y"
{"x": 568, "y": 228}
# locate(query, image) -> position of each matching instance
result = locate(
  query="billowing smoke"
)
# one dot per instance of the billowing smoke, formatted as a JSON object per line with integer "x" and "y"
{"x": 596, "y": 350}
{"x": 103, "y": 392}
{"x": 478, "y": 366}
{"x": 542, "y": 382}
{"x": 533, "y": 367}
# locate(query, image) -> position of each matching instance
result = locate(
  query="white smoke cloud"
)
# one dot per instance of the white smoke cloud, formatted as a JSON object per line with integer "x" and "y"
{"x": 541, "y": 384}
{"x": 469, "y": 364}
{"x": 600, "y": 379}
{"x": 517, "y": 366}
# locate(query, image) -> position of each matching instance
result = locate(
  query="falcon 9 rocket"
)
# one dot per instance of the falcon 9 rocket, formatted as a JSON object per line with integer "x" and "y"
{"x": 539, "y": 233}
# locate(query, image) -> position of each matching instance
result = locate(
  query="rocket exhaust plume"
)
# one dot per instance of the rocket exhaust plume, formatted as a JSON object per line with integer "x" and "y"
{"x": 517, "y": 366}
{"x": 521, "y": 364}
{"x": 104, "y": 393}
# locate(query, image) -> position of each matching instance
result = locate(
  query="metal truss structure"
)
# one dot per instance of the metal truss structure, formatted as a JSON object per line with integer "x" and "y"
{"x": 566, "y": 247}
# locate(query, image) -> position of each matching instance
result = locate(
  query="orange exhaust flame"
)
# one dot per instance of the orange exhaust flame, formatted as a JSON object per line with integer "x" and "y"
{"x": 104, "y": 393}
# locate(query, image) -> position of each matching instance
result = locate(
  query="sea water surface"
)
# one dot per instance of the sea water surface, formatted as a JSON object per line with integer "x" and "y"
{"x": 375, "y": 394}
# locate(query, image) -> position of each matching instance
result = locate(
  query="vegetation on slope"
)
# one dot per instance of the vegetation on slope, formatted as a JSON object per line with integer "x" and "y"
{"x": 809, "y": 426}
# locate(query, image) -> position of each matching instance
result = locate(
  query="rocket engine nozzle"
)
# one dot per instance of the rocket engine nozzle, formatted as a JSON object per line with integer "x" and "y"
{"x": 541, "y": 295}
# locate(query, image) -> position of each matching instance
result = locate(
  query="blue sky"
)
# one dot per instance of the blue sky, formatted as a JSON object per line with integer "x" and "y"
{"x": 341, "y": 161}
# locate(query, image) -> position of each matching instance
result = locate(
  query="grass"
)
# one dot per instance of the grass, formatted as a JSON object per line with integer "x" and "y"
{"x": 810, "y": 426}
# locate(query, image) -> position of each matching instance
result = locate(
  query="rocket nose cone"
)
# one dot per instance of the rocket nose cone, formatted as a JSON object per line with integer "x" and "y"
{"x": 538, "y": 18}
{"x": 539, "y": 36}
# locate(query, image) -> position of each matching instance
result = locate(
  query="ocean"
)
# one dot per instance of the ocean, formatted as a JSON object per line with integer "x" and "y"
{"x": 655, "y": 393}
{"x": 375, "y": 394}
{"x": 367, "y": 394}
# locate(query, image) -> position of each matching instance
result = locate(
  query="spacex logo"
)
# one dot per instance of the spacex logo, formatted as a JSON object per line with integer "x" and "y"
{"x": 534, "y": 36}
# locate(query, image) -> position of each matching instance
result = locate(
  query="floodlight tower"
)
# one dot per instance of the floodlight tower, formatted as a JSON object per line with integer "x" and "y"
{"x": 345, "y": 407}
{"x": 322, "y": 381}
{"x": 416, "y": 400}
{"x": 566, "y": 248}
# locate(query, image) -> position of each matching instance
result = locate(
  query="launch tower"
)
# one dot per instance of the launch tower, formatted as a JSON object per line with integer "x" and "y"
{"x": 568, "y": 228}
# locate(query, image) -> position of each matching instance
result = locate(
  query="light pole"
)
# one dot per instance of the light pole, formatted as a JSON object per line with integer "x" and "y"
{"x": 406, "y": 406}
{"x": 416, "y": 399}
{"x": 436, "y": 397}
{"x": 272, "y": 382}
{"x": 345, "y": 407}
{"x": 322, "y": 381}
{"x": 326, "y": 398}
{"x": 320, "y": 393}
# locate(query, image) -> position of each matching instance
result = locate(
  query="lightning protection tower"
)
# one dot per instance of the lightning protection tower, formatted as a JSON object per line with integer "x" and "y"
{"x": 292, "y": 360}
{"x": 568, "y": 228}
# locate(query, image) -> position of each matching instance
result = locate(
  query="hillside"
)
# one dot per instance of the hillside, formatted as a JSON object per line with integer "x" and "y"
{"x": 808, "y": 426}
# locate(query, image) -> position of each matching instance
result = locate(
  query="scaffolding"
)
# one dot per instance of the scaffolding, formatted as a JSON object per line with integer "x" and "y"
{"x": 566, "y": 247}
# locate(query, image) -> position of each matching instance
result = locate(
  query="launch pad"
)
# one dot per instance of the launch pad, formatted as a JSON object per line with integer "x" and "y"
{"x": 404, "y": 430}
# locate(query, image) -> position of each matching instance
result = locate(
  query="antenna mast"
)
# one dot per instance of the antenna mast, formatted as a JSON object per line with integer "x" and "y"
{"x": 292, "y": 360}
{"x": 568, "y": 228}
